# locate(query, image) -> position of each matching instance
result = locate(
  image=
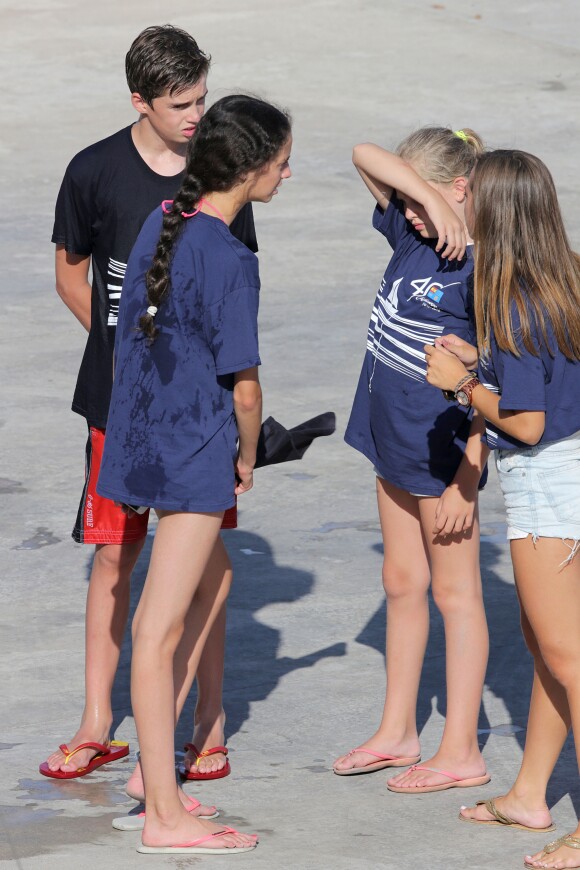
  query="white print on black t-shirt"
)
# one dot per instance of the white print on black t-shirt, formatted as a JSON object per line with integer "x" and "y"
{"x": 116, "y": 273}
{"x": 397, "y": 341}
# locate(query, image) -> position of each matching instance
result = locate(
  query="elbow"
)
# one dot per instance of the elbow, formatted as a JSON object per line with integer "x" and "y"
{"x": 358, "y": 153}
{"x": 61, "y": 290}
{"x": 531, "y": 434}
{"x": 248, "y": 401}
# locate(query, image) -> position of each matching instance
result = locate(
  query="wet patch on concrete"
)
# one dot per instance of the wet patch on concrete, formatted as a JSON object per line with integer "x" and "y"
{"x": 109, "y": 793}
{"x": 250, "y": 778}
{"x": 316, "y": 768}
{"x": 300, "y": 475}
{"x": 8, "y": 486}
{"x": 553, "y": 85}
{"x": 42, "y": 538}
{"x": 359, "y": 525}
{"x": 501, "y": 730}
{"x": 5, "y": 746}
{"x": 35, "y": 833}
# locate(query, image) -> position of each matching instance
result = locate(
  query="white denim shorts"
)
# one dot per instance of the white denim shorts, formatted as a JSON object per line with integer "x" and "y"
{"x": 541, "y": 488}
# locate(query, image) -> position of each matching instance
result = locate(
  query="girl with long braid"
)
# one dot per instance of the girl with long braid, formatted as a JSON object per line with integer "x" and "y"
{"x": 184, "y": 422}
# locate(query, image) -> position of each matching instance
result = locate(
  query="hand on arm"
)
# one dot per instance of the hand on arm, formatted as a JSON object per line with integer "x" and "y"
{"x": 445, "y": 370}
{"x": 248, "y": 411}
{"x": 72, "y": 284}
{"x": 464, "y": 351}
{"x": 382, "y": 172}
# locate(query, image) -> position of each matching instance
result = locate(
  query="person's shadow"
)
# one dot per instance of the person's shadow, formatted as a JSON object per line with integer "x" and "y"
{"x": 253, "y": 668}
{"x": 509, "y": 672}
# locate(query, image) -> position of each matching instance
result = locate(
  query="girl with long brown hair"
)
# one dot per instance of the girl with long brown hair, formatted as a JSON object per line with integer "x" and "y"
{"x": 527, "y": 301}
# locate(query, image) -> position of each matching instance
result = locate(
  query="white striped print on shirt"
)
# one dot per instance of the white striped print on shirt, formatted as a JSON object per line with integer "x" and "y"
{"x": 397, "y": 341}
{"x": 116, "y": 273}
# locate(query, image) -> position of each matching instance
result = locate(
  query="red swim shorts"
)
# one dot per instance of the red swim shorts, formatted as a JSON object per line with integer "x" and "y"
{"x": 100, "y": 520}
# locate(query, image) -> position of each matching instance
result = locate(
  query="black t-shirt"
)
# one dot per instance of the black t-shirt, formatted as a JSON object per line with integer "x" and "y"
{"x": 106, "y": 195}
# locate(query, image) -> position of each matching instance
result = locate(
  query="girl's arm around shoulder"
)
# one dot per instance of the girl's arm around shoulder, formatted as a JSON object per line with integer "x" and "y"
{"x": 456, "y": 508}
{"x": 248, "y": 411}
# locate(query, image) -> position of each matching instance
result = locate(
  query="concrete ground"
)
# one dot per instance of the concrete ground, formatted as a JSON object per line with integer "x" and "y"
{"x": 305, "y": 662}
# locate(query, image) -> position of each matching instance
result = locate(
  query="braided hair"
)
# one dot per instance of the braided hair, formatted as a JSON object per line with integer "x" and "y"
{"x": 237, "y": 135}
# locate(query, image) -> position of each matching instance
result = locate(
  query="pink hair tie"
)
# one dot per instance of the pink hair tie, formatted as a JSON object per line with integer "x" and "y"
{"x": 167, "y": 205}
{"x": 191, "y": 214}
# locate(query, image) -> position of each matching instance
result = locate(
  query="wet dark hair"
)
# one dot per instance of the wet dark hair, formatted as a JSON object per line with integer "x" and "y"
{"x": 164, "y": 60}
{"x": 238, "y": 135}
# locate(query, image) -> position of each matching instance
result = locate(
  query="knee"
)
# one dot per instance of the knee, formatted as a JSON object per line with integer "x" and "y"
{"x": 456, "y": 596}
{"x": 118, "y": 559}
{"x": 400, "y": 584}
{"x": 147, "y": 635}
{"x": 564, "y": 667}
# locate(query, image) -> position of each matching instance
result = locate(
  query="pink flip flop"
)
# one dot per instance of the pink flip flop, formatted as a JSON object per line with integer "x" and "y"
{"x": 455, "y": 782}
{"x": 385, "y": 761}
{"x": 194, "y": 773}
{"x": 196, "y": 848}
{"x": 106, "y": 752}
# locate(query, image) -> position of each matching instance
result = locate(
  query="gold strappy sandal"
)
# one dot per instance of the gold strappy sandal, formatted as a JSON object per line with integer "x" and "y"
{"x": 566, "y": 840}
{"x": 501, "y": 820}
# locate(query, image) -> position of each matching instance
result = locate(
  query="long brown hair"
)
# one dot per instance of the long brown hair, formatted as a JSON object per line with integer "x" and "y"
{"x": 522, "y": 256}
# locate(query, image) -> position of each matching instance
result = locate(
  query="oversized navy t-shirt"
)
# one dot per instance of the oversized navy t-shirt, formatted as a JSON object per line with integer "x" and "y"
{"x": 413, "y": 436}
{"x": 171, "y": 431}
{"x": 531, "y": 382}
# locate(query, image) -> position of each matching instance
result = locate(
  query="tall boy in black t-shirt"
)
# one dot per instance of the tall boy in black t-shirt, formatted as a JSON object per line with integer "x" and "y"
{"x": 108, "y": 191}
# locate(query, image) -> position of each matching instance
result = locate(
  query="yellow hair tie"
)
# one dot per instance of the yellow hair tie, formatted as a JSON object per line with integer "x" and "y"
{"x": 460, "y": 135}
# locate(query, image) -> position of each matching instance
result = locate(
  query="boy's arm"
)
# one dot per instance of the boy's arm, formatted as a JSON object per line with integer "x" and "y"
{"x": 384, "y": 172}
{"x": 72, "y": 285}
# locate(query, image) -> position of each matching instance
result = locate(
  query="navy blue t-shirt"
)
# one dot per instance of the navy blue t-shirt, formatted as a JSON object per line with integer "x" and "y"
{"x": 171, "y": 431}
{"x": 413, "y": 436}
{"x": 533, "y": 383}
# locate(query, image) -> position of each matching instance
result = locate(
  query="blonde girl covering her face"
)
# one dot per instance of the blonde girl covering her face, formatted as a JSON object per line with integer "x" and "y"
{"x": 527, "y": 299}
{"x": 428, "y": 457}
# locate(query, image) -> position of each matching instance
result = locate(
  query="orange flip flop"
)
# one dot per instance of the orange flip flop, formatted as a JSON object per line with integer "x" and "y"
{"x": 105, "y": 754}
{"x": 384, "y": 762}
{"x": 194, "y": 773}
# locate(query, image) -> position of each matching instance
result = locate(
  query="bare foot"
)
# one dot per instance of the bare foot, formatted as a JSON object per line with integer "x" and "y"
{"x": 533, "y": 817}
{"x": 207, "y": 736}
{"x": 185, "y": 829}
{"x": 135, "y": 790}
{"x": 558, "y": 854}
{"x": 407, "y": 748}
{"x": 86, "y": 734}
{"x": 469, "y": 769}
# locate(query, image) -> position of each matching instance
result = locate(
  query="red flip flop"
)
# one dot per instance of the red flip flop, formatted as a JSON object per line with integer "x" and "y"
{"x": 105, "y": 754}
{"x": 195, "y": 774}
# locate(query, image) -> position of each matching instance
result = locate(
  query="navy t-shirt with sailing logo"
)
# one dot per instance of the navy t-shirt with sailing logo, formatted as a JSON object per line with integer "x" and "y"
{"x": 413, "y": 436}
